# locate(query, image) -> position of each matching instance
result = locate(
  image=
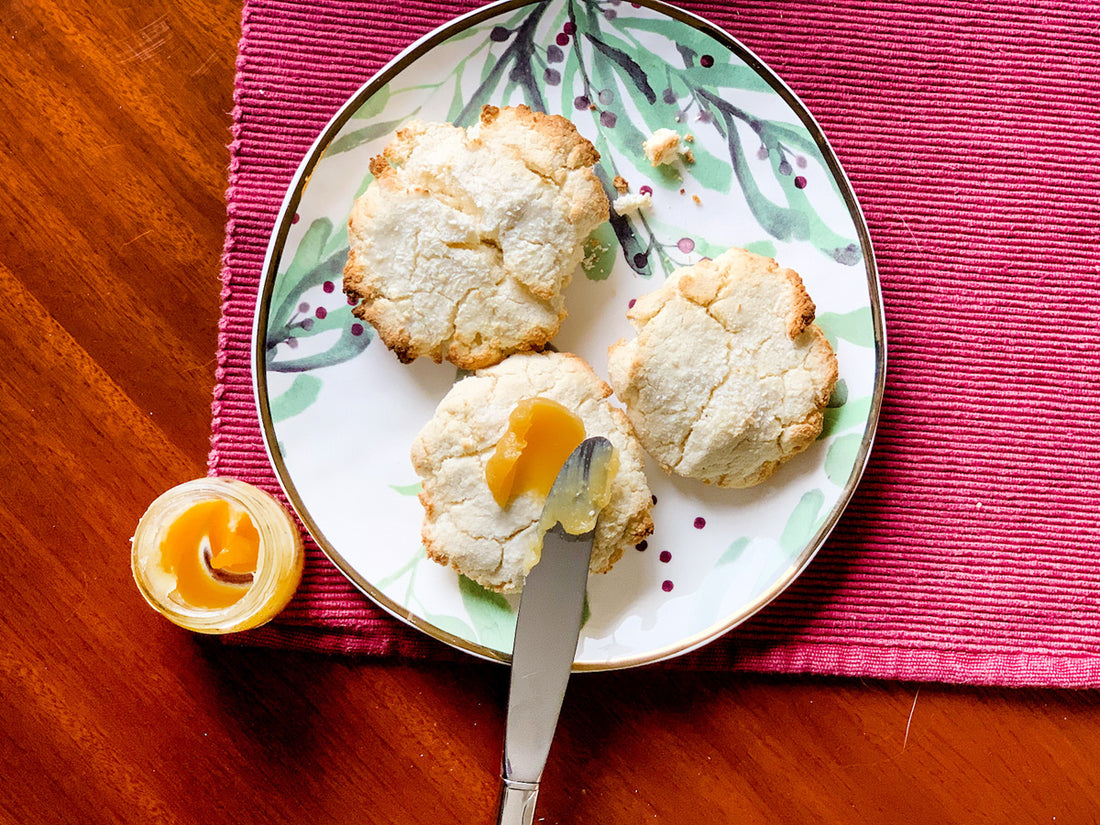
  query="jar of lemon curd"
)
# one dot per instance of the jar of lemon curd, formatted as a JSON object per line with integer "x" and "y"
{"x": 217, "y": 555}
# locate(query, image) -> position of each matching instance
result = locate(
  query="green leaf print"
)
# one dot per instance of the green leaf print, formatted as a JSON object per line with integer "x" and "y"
{"x": 307, "y": 303}
{"x": 301, "y": 393}
{"x": 802, "y": 523}
{"x": 452, "y": 624}
{"x": 635, "y": 91}
{"x": 734, "y": 551}
{"x": 765, "y": 248}
{"x": 515, "y": 68}
{"x": 357, "y": 137}
{"x": 845, "y": 416}
{"x": 855, "y": 326}
{"x": 841, "y": 458}
{"x": 406, "y": 489}
{"x": 490, "y": 613}
{"x": 599, "y": 253}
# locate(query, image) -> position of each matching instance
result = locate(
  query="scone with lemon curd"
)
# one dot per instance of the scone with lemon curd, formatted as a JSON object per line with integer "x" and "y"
{"x": 493, "y": 536}
{"x": 462, "y": 244}
{"x": 728, "y": 376}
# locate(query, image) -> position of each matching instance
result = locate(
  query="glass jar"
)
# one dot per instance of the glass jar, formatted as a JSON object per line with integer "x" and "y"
{"x": 279, "y": 562}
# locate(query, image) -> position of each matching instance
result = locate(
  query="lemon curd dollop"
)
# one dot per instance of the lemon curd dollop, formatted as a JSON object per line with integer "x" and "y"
{"x": 540, "y": 436}
{"x": 217, "y": 555}
{"x": 212, "y": 551}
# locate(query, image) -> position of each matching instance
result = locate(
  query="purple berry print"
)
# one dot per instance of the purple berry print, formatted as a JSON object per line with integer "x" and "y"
{"x": 357, "y": 329}
{"x": 562, "y": 39}
{"x": 581, "y": 102}
{"x": 641, "y": 260}
{"x": 666, "y": 585}
{"x": 646, "y": 190}
{"x": 321, "y": 312}
{"x": 785, "y": 167}
{"x": 800, "y": 161}
{"x": 762, "y": 152}
{"x": 307, "y": 324}
{"x": 641, "y": 546}
{"x": 606, "y": 96}
{"x": 499, "y": 34}
{"x": 608, "y": 119}
{"x": 665, "y": 556}
{"x": 570, "y": 27}
{"x": 685, "y": 245}
{"x": 799, "y": 182}
{"x": 329, "y": 287}
{"x": 668, "y": 96}
{"x": 554, "y": 54}
{"x": 706, "y": 61}
{"x": 699, "y": 522}
{"x": 552, "y": 76}
{"x": 303, "y": 307}
{"x": 630, "y": 304}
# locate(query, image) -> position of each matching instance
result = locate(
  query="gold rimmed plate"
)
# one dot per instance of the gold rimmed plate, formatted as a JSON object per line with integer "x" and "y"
{"x": 339, "y": 412}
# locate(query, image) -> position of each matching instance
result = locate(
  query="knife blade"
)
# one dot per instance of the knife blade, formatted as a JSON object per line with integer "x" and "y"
{"x": 548, "y": 625}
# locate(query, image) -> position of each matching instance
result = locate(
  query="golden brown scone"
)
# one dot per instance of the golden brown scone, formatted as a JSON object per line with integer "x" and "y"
{"x": 728, "y": 376}
{"x": 463, "y": 526}
{"x": 462, "y": 244}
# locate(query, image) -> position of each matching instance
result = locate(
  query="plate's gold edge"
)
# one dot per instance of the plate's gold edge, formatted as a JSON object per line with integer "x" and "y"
{"x": 274, "y": 254}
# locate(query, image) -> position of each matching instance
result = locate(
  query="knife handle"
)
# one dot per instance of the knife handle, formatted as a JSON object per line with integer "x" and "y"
{"x": 517, "y": 802}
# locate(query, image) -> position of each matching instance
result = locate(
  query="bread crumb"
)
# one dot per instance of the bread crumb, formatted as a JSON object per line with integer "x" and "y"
{"x": 696, "y": 198}
{"x": 662, "y": 147}
{"x": 620, "y": 184}
{"x": 689, "y": 138}
{"x": 593, "y": 249}
{"x": 689, "y": 156}
{"x": 625, "y": 204}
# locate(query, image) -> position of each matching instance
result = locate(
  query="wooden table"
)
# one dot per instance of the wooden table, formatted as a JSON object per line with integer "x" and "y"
{"x": 115, "y": 126}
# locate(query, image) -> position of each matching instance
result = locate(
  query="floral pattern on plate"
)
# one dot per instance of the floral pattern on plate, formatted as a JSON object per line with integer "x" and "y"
{"x": 339, "y": 413}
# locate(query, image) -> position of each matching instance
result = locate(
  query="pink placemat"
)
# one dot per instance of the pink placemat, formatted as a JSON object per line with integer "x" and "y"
{"x": 971, "y": 551}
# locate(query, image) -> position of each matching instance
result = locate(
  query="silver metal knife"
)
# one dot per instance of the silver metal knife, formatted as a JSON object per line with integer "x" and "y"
{"x": 548, "y": 627}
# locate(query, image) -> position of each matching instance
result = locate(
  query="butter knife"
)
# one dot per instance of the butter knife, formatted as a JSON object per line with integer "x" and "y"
{"x": 548, "y": 625}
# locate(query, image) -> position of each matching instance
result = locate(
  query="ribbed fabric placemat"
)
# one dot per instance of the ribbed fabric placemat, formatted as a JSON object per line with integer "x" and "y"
{"x": 970, "y": 552}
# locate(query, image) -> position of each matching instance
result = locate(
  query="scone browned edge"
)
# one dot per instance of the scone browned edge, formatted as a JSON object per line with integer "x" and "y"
{"x": 623, "y": 523}
{"x": 560, "y": 147}
{"x": 703, "y": 285}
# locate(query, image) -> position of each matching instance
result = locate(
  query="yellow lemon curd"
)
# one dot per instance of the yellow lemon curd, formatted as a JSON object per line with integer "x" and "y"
{"x": 217, "y": 555}
{"x": 540, "y": 436}
{"x": 212, "y": 552}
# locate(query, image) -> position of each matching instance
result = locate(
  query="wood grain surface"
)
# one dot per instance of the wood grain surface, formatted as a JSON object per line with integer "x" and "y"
{"x": 113, "y": 152}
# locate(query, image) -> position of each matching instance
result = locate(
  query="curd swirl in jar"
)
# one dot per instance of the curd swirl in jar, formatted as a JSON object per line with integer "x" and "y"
{"x": 217, "y": 555}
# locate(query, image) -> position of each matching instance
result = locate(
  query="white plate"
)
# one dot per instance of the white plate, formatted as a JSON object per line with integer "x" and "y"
{"x": 339, "y": 412}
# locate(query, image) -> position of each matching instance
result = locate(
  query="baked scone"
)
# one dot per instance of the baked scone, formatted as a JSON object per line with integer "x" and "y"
{"x": 463, "y": 242}
{"x": 728, "y": 376}
{"x": 464, "y": 527}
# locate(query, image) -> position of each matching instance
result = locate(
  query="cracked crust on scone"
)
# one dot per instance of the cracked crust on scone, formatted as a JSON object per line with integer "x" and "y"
{"x": 728, "y": 376}
{"x": 463, "y": 525}
{"x": 462, "y": 244}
